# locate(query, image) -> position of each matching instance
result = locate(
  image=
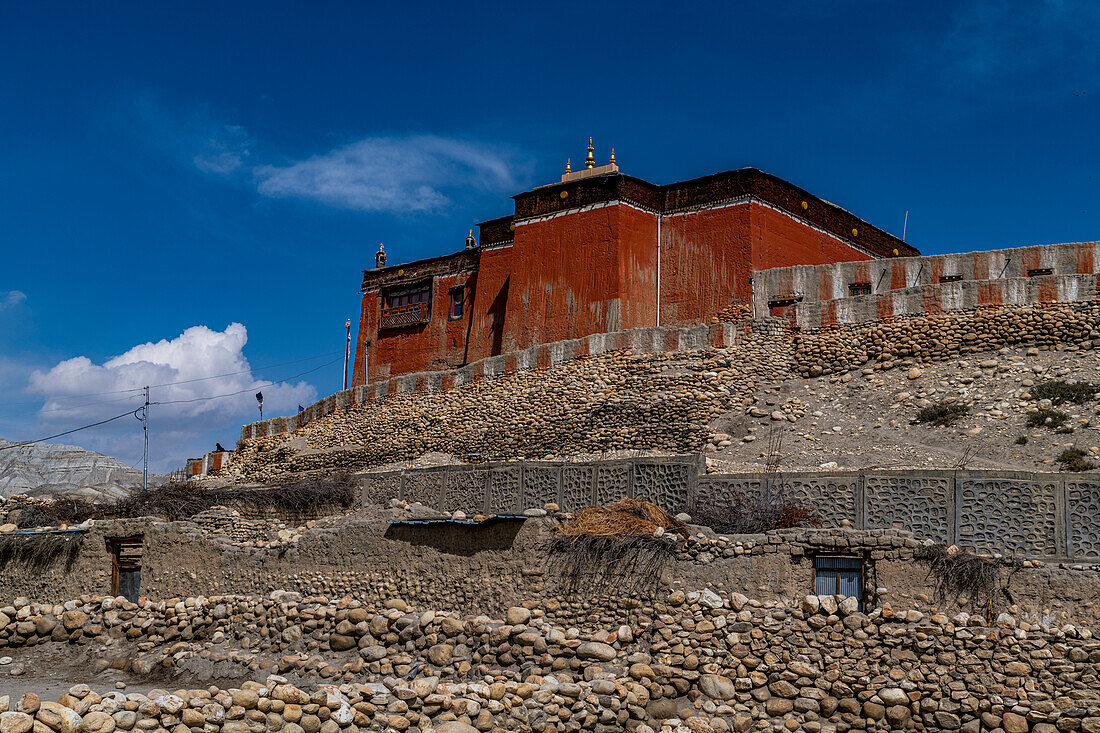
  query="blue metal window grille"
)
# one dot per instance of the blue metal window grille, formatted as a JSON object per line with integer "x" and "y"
{"x": 839, "y": 576}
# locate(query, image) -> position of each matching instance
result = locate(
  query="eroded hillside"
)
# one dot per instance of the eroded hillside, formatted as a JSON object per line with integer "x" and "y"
{"x": 852, "y": 397}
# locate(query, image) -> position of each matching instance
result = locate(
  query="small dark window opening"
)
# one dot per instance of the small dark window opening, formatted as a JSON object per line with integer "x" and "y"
{"x": 1038, "y": 271}
{"x": 784, "y": 302}
{"x": 950, "y": 278}
{"x": 457, "y": 299}
{"x": 839, "y": 576}
{"x": 126, "y": 566}
{"x": 859, "y": 289}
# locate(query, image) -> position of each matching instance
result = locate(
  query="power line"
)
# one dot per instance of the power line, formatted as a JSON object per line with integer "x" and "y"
{"x": 247, "y": 371}
{"x": 67, "y": 432}
{"x": 249, "y": 389}
{"x": 168, "y": 402}
{"x": 77, "y": 407}
{"x": 166, "y": 384}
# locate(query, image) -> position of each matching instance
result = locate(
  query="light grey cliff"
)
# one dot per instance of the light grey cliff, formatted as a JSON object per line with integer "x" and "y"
{"x": 45, "y": 469}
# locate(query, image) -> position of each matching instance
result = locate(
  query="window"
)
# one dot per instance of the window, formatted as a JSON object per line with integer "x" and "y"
{"x": 1038, "y": 271}
{"x": 839, "y": 576}
{"x": 408, "y": 304}
{"x": 950, "y": 278}
{"x": 457, "y": 297}
{"x": 859, "y": 289}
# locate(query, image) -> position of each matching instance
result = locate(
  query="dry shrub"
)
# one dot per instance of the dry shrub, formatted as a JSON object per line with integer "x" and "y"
{"x": 962, "y": 574}
{"x": 40, "y": 551}
{"x": 615, "y": 547}
{"x": 758, "y": 511}
{"x": 1049, "y": 418}
{"x": 942, "y": 413}
{"x": 1060, "y": 392}
{"x": 1075, "y": 459}
{"x": 179, "y": 501}
{"x": 56, "y": 512}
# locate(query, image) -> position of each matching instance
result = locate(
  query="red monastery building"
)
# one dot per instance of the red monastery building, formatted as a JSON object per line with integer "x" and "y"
{"x": 598, "y": 252}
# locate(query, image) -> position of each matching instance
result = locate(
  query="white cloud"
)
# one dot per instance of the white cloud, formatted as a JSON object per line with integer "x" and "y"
{"x": 197, "y": 353}
{"x": 394, "y": 174}
{"x": 11, "y": 298}
{"x": 391, "y": 174}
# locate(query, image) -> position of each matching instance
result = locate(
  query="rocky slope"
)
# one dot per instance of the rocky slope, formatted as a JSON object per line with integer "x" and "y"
{"x": 45, "y": 469}
{"x": 736, "y": 405}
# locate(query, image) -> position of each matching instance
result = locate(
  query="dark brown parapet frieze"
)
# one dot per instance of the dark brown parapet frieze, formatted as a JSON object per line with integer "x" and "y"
{"x": 709, "y": 191}
{"x": 497, "y": 232}
{"x": 464, "y": 261}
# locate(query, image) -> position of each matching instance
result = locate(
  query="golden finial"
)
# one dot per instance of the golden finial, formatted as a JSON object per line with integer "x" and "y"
{"x": 568, "y": 165}
{"x": 590, "y": 160}
{"x": 612, "y": 161}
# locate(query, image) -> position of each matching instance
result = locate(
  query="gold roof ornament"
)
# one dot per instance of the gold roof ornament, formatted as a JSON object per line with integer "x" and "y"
{"x": 590, "y": 169}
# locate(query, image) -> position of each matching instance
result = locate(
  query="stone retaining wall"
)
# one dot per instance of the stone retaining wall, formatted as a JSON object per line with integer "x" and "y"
{"x": 638, "y": 340}
{"x": 697, "y": 662}
{"x": 942, "y": 298}
{"x": 929, "y": 284}
{"x": 1032, "y": 514}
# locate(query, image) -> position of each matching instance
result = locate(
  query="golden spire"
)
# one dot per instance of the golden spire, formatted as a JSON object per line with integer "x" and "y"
{"x": 612, "y": 161}
{"x": 590, "y": 160}
{"x": 568, "y": 165}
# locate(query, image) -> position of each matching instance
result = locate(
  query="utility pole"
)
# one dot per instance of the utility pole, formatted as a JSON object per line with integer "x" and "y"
{"x": 347, "y": 353}
{"x": 145, "y": 426}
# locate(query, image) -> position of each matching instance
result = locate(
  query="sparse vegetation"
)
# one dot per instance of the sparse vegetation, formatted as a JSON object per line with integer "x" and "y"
{"x": 1075, "y": 459}
{"x": 1049, "y": 418}
{"x": 960, "y": 576}
{"x": 942, "y": 413}
{"x": 1022, "y": 440}
{"x": 1060, "y": 392}
{"x": 759, "y": 511}
{"x": 178, "y": 501}
{"x": 40, "y": 551}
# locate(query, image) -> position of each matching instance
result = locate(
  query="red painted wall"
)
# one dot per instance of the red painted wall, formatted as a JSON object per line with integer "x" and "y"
{"x": 637, "y": 267}
{"x": 781, "y": 241}
{"x": 489, "y": 314}
{"x": 438, "y": 344}
{"x": 705, "y": 263}
{"x": 565, "y": 278}
{"x": 595, "y": 271}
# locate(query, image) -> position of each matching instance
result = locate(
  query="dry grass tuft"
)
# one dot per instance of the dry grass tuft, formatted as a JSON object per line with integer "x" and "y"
{"x": 622, "y": 547}
{"x": 960, "y": 574}
{"x": 621, "y": 519}
{"x": 40, "y": 551}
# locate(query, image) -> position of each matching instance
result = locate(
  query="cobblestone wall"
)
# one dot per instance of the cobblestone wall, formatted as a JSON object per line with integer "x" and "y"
{"x": 638, "y": 340}
{"x": 1033, "y": 514}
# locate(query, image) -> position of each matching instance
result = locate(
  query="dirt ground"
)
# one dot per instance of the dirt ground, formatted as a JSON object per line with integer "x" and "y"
{"x": 866, "y": 421}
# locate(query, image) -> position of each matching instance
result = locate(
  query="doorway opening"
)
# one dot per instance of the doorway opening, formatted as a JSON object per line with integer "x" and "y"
{"x": 126, "y": 566}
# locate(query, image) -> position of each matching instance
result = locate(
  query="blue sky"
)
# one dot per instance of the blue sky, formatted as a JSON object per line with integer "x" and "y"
{"x": 193, "y": 189}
